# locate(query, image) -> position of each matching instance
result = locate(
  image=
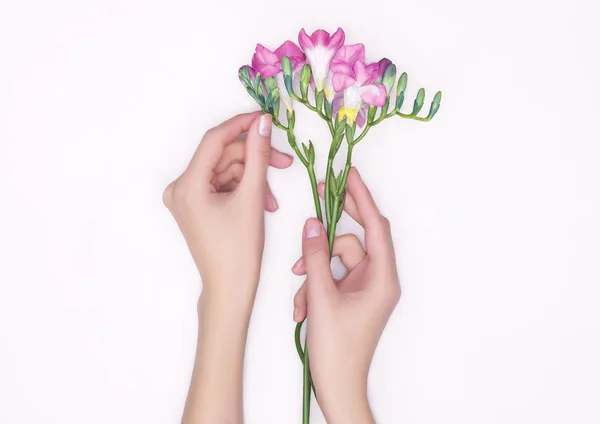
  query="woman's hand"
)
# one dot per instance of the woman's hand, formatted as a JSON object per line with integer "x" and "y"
{"x": 219, "y": 204}
{"x": 346, "y": 318}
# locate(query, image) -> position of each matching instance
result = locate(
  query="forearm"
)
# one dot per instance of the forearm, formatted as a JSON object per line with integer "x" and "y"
{"x": 215, "y": 394}
{"x": 346, "y": 404}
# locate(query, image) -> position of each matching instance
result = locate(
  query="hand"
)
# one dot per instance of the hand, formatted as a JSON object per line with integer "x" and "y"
{"x": 218, "y": 203}
{"x": 346, "y": 318}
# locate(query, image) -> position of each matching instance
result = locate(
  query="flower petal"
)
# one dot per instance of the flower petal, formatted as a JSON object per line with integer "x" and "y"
{"x": 361, "y": 118}
{"x": 292, "y": 51}
{"x": 341, "y": 67}
{"x": 365, "y": 74}
{"x": 374, "y": 94}
{"x": 338, "y": 102}
{"x": 337, "y": 39}
{"x": 265, "y": 61}
{"x": 320, "y": 37}
{"x": 351, "y": 53}
{"x": 341, "y": 82}
{"x": 305, "y": 41}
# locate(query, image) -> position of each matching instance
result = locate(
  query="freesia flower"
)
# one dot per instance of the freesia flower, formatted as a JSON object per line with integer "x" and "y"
{"x": 268, "y": 63}
{"x": 320, "y": 48}
{"x": 346, "y": 54}
{"x": 356, "y": 82}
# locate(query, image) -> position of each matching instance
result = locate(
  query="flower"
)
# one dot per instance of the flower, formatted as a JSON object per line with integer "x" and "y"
{"x": 268, "y": 63}
{"x": 320, "y": 48}
{"x": 356, "y": 82}
{"x": 349, "y": 54}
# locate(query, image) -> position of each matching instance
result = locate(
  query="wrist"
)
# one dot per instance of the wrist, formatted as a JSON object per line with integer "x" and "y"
{"x": 348, "y": 410}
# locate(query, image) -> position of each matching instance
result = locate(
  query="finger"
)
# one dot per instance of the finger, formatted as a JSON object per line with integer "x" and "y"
{"x": 271, "y": 204}
{"x": 349, "y": 203}
{"x": 236, "y": 153}
{"x": 300, "y": 303}
{"x": 346, "y": 247}
{"x": 233, "y": 173}
{"x": 315, "y": 251}
{"x": 378, "y": 238}
{"x": 213, "y": 144}
{"x": 228, "y": 180}
{"x": 258, "y": 152}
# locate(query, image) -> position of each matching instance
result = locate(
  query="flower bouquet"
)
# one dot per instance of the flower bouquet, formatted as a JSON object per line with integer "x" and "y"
{"x": 333, "y": 80}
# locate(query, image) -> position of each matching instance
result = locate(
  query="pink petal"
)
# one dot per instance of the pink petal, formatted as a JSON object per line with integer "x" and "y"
{"x": 320, "y": 37}
{"x": 341, "y": 67}
{"x": 338, "y": 102}
{"x": 374, "y": 94}
{"x": 341, "y": 82}
{"x": 337, "y": 39}
{"x": 351, "y": 53}
{"x": 288, "y": 49}
{"x": 365, "y": 74}
{"x": 361, "y": 118}
{"x": 267, "y": 71}
{"x": 305, "y": 41}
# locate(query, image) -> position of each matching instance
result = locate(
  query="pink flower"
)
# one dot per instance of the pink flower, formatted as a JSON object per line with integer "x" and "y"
{"x": 347, "y": 54}
{"x": 356, "y": 82}
{"x": 268, "y": 63}
{"x": 320, "y": 48}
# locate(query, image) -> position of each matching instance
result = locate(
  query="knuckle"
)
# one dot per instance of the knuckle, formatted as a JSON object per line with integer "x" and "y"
{"x": 167, "y": 196}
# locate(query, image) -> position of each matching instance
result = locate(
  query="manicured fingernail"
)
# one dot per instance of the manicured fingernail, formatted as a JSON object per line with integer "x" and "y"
{"x": 274, "y": 204}
{"x": 312, "y": 228}
{"x": 298, "y": 264}
{"x": 264, "y": 125}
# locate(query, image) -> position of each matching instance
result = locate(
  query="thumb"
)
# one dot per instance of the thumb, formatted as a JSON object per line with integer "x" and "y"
{"x": 315, "y": 252}
{"x": 258, "y": 153}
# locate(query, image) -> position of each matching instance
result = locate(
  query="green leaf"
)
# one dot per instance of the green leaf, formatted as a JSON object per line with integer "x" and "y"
{"x": 328, "y": 109}
{"x": 311, "y": 153}
{"x": 256, "y": 83}
{"x": 244, "y": 75}
{"x": 270, "y": 84}
{"x": 319, "y": 100}
{"x": 350, "y": 133}
{"x": 291, "y": 116}
{"x": 402, "y": 82}
{"x": 339, "y": 129}
{"x": 419, "y": 101}
{"x": 272, "y": 97}
{"x": 371, "y": 114}
{"x": 334, "y": 184}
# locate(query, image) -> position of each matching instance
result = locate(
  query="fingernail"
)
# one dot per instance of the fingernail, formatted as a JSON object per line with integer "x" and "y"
{"x": 312, "y": 228}
{"x": 298, "y": 264}
{"x": 296, "y": 312}
{"x": 264, "y": 125}
{"x": 289, "y": 156}
{"x": 274, "y": 204}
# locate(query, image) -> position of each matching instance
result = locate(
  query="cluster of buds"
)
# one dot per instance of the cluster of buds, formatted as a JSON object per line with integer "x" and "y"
{"x": 330, "y": 78}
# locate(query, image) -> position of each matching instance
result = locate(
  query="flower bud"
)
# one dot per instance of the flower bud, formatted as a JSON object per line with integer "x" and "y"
{"x": 305, "y": 81}
{"x": 419, "y": 101}
{"x": 389, "y": 77}
{"x": 383, "y": 65}
{"x": 435, "y": 105}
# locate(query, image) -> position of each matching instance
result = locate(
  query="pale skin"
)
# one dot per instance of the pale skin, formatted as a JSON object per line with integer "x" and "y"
{"x": 219, "y": 203}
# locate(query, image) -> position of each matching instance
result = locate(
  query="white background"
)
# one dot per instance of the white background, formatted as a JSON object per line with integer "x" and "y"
{"x": 495, "y": 208}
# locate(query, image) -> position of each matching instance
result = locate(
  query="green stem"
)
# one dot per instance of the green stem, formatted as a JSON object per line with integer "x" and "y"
{"x": 315, "y": 191}
{"x": 306, "y": 379}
